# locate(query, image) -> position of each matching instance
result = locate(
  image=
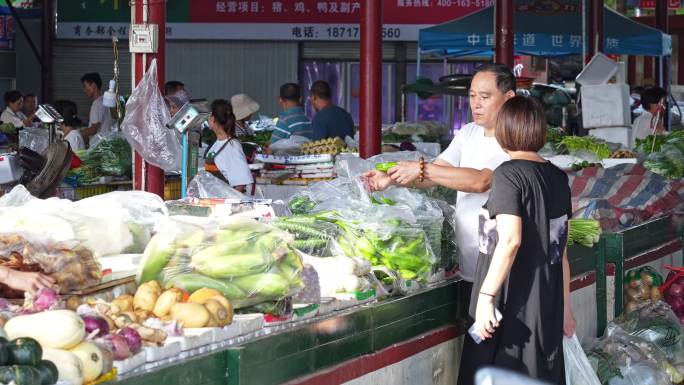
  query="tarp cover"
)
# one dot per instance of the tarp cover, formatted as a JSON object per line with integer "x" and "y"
{"x": 624, "y": 196}
{"x": 543, "y": 29}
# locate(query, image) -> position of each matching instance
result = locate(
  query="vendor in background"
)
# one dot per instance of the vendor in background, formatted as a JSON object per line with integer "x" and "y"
{"x": 100, "y": 118}
{"x": 522, "y": 268}
{"x": 25, "y": 281}
{"x": 466, "y": 165}
{"x": 30, "y": 105}
{"x": 176, "y": 101}
{"x": 69, "y": 112}
{"x": 225, "y": 159}
{"x": 330, "y": 120}
{"x": 651, "y": 103}
{"x": 293, "y": 120}
{"x": 173, "y": 86}
{"x": 13, "y": 112}
{"x": 243, "y": 108}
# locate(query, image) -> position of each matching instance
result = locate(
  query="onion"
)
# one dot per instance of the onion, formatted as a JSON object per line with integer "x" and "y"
{"x": 676, "y": 290}
{"x": 118, "y": 345}
{"x": 677, "y": 305}
{"x": 171, "y": 328}
{"x": 46, "y": 299}
{"x": 95, "y": 324}
{"x": 133, "y": 339}
{"x": 680, "y": 280}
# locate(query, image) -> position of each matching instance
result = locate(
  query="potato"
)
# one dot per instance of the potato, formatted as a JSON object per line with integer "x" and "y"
{"x": 73, "y": 303}
{"x": 202, "y": 295}
{"x": 124, "y": 302}
{"x": 190, "y": 315}
{"x": 655, "y": 294}
{"x": 632, "y": 294}
{"x": 146, "y": 296}
{"x": 166, "y": 301}
{"x": 630, "y": 306}
{"x": 219, "y": 313}
{"x": 143, "y": 315}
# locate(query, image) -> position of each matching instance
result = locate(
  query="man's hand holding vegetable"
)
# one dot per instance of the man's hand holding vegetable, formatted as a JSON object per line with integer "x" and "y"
{"x": 439, "y": 172}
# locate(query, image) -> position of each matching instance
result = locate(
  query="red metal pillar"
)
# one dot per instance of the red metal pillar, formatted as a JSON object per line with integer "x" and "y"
{"x": 146, "y": 176}
{"x": 371, "y": 77}
{"x": 504, "y": 32}
{"x": 662, "y": 64}
{"x": 595, "y": 36}
{"x": 47, "y": 31}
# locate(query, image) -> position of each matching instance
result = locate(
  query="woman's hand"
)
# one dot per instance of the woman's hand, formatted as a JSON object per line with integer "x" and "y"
{"x": 485, "y": 317}
{"x": 377, "y": 180}
{"x": 569, "y": 323}
{"x": 28, "y": 282}
{"x": 405, "y": 173}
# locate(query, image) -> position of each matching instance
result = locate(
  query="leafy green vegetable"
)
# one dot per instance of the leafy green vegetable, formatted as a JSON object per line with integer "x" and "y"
{"x": 554, "y": 135}
{"x": 585, "y": 232}
{"x": 582, "y": 165}
{"x": 385, "y": 166}
{"x": 301, "y": 205}
{"x": 586, "y": 143}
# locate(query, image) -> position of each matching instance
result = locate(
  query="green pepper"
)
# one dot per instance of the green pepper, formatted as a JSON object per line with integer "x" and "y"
{"x": 385, "y": 166}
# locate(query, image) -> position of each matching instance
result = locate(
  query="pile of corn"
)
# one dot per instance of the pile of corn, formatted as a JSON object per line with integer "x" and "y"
{"x": 332, "y": 146}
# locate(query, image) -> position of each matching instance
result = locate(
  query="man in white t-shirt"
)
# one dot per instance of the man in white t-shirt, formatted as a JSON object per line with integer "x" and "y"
{"x": 466, "y": 165}
{"x": 100, "y": 118}
{"x": 645, "y": 123}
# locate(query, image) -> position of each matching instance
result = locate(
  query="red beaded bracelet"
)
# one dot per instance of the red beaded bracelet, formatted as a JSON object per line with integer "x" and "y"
{"x": 421, "y": 177}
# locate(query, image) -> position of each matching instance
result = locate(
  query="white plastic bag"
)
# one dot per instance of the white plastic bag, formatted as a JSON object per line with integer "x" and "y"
{"x": 578, "y": 371}
{"x": 289, "y": 146}
{"x": 206, "y": 186}
{"x": 145, "y": 124}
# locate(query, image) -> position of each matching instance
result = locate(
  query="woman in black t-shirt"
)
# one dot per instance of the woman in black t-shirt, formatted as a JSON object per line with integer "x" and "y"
{"x": 522, "y": 269}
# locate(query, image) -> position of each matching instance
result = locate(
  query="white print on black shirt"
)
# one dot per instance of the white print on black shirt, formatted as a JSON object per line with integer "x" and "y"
{"x": 558, "y": 236}
{"x": 487, "y": 232}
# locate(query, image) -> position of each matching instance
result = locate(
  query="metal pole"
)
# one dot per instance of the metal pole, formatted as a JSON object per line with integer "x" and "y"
{"x": 504, "y": 32}
{"x": 662, "y": 75}
{"x": 418, "y": 73}
{"x": 371, "y": 77}
{"x": 663, "y": 65}
{"x": 47, "y": 29}
{"x": 595, "y": 33}
{"x": 146, "y": 176}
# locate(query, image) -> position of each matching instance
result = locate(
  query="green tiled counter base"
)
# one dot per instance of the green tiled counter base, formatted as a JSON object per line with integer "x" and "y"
{"x": 285, "y": 356}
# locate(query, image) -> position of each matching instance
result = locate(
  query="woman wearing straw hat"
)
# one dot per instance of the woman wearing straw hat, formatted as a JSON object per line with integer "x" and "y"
{"x": 243, "y": 108}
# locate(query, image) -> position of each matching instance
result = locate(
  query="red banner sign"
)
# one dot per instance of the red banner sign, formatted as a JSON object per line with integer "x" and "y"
{"x": 672, "y": 4}
{"x": 329, "y": 12}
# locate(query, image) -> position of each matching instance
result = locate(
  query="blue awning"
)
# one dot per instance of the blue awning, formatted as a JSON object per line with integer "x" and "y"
{"x": 538, "y": 33}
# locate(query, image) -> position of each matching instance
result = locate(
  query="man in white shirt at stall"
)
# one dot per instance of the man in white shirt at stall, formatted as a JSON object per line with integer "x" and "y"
{"x": 100, "y": 118}
{"x": 646, "y": 124}
{"x": 466, "y": 165}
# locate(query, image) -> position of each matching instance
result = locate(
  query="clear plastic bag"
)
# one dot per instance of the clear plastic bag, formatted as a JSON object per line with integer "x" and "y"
{"x": 112, "y": 223}
{"x": 145, "y": 124}
{"x": 249, "y": 262}
{"x": 206, "y": 186}
{"x": 111, "y": 156}
{"x": 289, "y": 146}
{"x": 71, "y": 265}
{"x": 655, "y": 323}
{"x": 578, "y": 371}
{"x": 36, "y": 139}
{"x": 616, "y": 356}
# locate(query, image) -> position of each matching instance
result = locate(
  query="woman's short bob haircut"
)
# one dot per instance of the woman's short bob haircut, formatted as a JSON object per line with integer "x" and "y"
{"x": 521, "y": 125}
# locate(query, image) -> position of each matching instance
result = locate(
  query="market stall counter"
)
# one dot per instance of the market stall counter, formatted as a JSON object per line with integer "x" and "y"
{"x": 336, "y": 348}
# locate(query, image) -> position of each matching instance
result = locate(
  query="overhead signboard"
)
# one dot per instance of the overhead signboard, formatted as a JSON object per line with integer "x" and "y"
{"x": 261, "y": 19}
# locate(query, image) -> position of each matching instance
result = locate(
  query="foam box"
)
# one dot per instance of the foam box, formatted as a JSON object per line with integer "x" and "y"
{"x": 605, "y": 105}
{"x": 622, "y": 135}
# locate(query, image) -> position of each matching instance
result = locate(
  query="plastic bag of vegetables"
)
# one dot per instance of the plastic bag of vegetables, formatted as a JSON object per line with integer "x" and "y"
{"x": 673, "y": 291}
{"x": 641, "y": 285}
{"x": 656, "y": 323}
{"x": 247, "y": 261}
{"x": 70, "y": 264}
{"x": 615, "y": 356}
